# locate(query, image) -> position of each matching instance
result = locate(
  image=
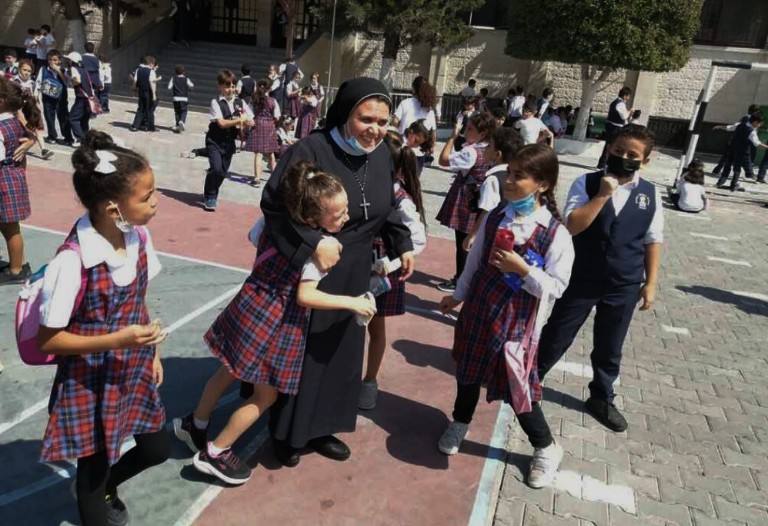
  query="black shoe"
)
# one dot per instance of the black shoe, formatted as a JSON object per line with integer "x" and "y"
{"x": 330, "y": 447}
{"x": 227, "y": 467}
{"x": 721, "y": 183}
{"x": 46, "y": 154}
{"x": 737, "y": 189}
{"x": 9, "y": 278}
{"x": 447, "y": 285}
{"x": 66, "y": 142}
{"x": 716, "y": 170}
{"x": 48, "y": 140}
{"x": 133, "y": 129}
{"x": 606, "y": 413}
{"x": 288, "y": 456}
{"x": 117, "y": 513}
{"x": 185, "y": 430}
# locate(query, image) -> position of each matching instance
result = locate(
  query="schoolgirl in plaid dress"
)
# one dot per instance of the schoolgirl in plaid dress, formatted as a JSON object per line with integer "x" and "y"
{"x": 109, "y": 371}
{"x": 410, "y": 209}
{"x": 260, "y": 336}
{"x": 496, "y": 314}
{"x": 14, "y": 194}
{"x": 318, "y": 91}
{"x": 459, "y": 209}
{"x": 262, "y": 139}
{"x": 292, "y": 94}
{"x": 307, "y": 114}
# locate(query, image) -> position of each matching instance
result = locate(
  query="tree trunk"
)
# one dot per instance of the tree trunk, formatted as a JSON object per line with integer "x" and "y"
{"x": 291, "y": 10}
{"x": 590, "y": 84}
{"x": 389, "y": 59}
{"x": 75, "y": 25}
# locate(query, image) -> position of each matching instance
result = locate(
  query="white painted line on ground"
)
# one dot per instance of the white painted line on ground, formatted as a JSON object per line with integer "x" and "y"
{"x": 693, "y": 216}
{"x": 675, "y": 330}
{"x": 578, "y": 369}
{"x": 739, "y": 262}
{"x": 210, "y": 494}
{"x": 587, "y": 488}
{"x": 493, "y": 469}
{"x": 708, "y": 236}
{"x": 165, "y": 254}
{"x": 750, "y": 295}
{"x": 26, "y": 413}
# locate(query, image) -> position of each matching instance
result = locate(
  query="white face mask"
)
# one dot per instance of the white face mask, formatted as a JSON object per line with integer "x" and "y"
{"x": 121, "y": 224}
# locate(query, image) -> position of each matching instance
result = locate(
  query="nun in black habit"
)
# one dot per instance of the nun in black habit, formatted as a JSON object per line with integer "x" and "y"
{"x": 350, "y": 148}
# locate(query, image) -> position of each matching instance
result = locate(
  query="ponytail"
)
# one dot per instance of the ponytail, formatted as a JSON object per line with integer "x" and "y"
{"x": 551, "y": 203}
{"x": 31, "y": 112}
{"x": 260, "y": 94}
{"x": 407, "y": 168}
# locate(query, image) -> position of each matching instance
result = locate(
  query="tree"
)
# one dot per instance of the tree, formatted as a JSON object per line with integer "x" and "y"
{"x": 72, "y": 10}
{"x": 402, "y": 23}
{"x": 603, "y": 36}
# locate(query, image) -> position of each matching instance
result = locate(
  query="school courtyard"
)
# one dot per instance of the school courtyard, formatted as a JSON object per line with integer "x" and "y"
{"x": 692, "y": 383}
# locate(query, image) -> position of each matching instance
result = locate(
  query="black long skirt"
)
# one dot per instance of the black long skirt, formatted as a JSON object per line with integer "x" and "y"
{"x": 326, "y": 403}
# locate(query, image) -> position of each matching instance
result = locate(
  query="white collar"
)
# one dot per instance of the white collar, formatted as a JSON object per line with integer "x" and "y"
{"x": 542, "y": 216}
{"x": 144, "y": 66}
{"x": 95, "y": 249}
{"x": 341, "y": 143}
{"x": 6, "y": 115}
{"x": 497, "y": 168}
{"x": 475, "y": 145}
{"x": 229, "y": 101}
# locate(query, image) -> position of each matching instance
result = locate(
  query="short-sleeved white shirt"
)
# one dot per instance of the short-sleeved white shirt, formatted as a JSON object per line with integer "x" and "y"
{"x": 215, "y": 111}
{"x": 691, "y": 196}
{"x": 62, "y": 280}
{"x": 409, "y": 111}
{"x": 530, "y": 129}
{"x": 465, "y": 158}
{"x": 490, "y": 193}
{"x": 309, "y": 272}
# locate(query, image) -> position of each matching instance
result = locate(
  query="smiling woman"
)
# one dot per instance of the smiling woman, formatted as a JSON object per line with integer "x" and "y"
{"x": 349, "y": 147}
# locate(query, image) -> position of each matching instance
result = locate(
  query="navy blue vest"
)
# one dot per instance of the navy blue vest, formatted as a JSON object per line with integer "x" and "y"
{"x": 614, "y": 117}
{"x": 92, "y": 66}
{"x": 248, "y": 85}
{"x": 180, "y": 86}
{"x": 225, "y": 136}
{"x": 142, "y": 79}
{"x": 611, "y": 250}
{"x": 84, "y": 86}
{"x": 290, "y": 69}
{"x": 740, "y": 144}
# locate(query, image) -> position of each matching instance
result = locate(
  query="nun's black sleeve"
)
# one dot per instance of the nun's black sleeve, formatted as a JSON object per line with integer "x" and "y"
{"x": 294, "y": 241}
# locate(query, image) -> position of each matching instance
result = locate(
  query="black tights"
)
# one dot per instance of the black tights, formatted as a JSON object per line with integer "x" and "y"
{"x": 533, "y": 424}
{"x": 461, "y": 254}
{"x": 96, "y": 479}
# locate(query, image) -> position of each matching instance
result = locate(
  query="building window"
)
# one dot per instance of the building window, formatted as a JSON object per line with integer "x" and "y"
{"x": 736, "y": 23}
{"x": 493, "y": 13}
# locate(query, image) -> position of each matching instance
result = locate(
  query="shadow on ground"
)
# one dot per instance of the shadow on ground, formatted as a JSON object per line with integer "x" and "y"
{"x": 748, "y": 305}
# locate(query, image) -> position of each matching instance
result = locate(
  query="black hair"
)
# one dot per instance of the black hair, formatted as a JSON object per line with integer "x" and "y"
{"x": 46, "y": 27}
{"x": 94, "y": 188}
{"x": 547, "y": 92}
{"x": 471, "y": 82}
{"x": 507, "y": 141}
{"x": 529, "y": 107}
{"x": 623, "y": 92}
{"x": 408, "y": 170}
{"x": 540, "y": 161}
{"x": 245, "y": 69}
{"x": 484, "y": 123}
{"x": 225, "y": 78}
{"x": 694, "y": 173}
{"x": 261, "y": 93}
{"x": 15, "y": 99}
{"x": 638, "y": 132}
{"x": 520, "y": 90}
{"x": 305, "y": 187}
{"x": 179, "y": 69}
{"x": 33, "y": 31}
{"x": 418, "y": 127}
{"x": 484, "y": 92}
{"x": 499, "y": 113}
{"x": 753, "y": 108}
{"x": 52, "y": 53}
{"x": 757, "y": 117}
{"x": 9, "y": 53}
{"x": 90, "y": 47}
{"x": 416, "y": 83}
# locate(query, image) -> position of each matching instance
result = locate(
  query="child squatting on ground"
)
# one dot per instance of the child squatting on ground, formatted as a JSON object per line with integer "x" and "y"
{"x": 260, "y": 337}
{"x": 109, "y": 370}
{"x": 519, "y": 263}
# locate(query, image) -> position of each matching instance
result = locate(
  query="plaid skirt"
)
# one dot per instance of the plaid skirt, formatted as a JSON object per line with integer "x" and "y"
{"x": 14, "y": 194}
{"x": 263, "y": 137}
{"x": 459, "y": 210}
{"x": 306, "y": 123}
{"x": 294, "y": 107}
{"x": 392, "y": 303}
{"x": 260, "y": 336}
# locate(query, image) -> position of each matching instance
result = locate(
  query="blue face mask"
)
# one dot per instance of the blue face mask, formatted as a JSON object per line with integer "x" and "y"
{"x": 524, "y": 206}
{"x": 354, "y": 144}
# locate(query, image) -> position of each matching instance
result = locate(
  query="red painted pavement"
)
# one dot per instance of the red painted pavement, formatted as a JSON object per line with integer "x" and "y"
{"x": 396, "y": 474}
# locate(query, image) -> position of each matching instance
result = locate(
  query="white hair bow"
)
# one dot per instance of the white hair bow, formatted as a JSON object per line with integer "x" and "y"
{"x": 105, "y": 166}
{"x": 310, "y": 175}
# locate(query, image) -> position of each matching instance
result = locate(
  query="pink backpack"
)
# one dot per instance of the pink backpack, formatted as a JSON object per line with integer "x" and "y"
{"x": 28, "y": 313}
{"x": 28, "y": 309}
{"x": 519, "y": 361}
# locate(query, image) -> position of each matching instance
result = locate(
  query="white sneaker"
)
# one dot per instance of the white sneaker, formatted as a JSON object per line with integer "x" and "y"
{"x": 369, "y": 391}
{"x": 452, "y": 438}
{"x": 544, "y": 465}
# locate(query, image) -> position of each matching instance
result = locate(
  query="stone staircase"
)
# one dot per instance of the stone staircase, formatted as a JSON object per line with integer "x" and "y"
{"x": 202, "y": 61}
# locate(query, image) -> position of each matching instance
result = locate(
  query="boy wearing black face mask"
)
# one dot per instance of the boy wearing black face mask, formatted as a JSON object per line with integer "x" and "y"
{"x": 615, "y": 218}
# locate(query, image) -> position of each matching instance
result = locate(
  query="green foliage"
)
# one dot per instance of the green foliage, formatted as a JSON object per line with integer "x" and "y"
{"x": 643, "y": 35}
{"x": 402, "y": 22}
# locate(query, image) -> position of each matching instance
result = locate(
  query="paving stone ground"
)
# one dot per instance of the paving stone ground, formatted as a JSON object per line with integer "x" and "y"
{"x": 693, "y": 382}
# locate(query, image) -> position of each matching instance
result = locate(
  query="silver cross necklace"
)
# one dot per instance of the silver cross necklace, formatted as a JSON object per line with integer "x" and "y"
{"x": 360, "y": 184}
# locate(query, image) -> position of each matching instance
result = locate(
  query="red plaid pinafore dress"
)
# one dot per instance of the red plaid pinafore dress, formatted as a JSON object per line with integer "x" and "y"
{"x": 14, "y": 194}
{"x": 307, "y": 119}
{"x": 100, "y": 399}
{"x": 260, "y": 336}
{"x": 263, "y": 136}
{"x": 391, "y": 303}
{"x": 294, "y": 103}
{"x": 459, "y": 209}
{"x": 492, "y": 315}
